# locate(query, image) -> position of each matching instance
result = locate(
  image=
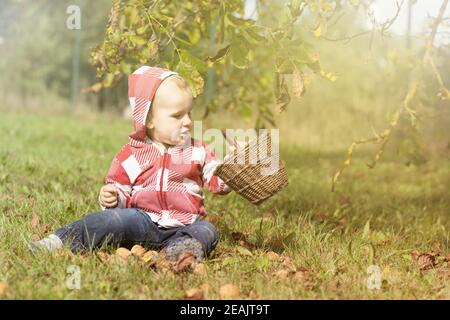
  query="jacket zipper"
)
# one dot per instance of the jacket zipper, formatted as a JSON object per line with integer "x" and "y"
{"x": 161, "y": 181}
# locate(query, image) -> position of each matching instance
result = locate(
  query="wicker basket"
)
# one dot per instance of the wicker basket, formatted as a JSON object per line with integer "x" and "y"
{"x": 246, "y": 178}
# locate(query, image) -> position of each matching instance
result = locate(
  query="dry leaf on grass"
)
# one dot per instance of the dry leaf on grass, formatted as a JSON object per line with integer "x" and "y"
{"x": 150, "y": 257}
{"x": 287, "y": 263}
{"x": 103, "y": 256}
{"x": 184, "y": 262}
{"x": 273, "y": 256}
{"x": 267, "y": 214}
{"x": 38, "y": 226}
{"x": 194, "y": 294}
{"x": 253, "y": 295}
{"x": 305, "y": 277}
{"x": 447, "y": 257}
{"x": 229, "y": 292}
{"x": 3, "y": 288}
{"x": 241, "y": 238}
{"x": 138, "y": 250}
{"x": 424, "y": 261}
{"x": 123, "y": 253}
{"x": 63, "y": 252}
{"x": 283, "y": 273}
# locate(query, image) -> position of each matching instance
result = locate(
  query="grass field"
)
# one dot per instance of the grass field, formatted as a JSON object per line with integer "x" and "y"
{"x": 51, "y": 168}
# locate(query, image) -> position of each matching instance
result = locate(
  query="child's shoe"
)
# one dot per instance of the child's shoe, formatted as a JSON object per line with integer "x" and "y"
{"x": 184, "y": 245}
{"x": 50, "y": 243}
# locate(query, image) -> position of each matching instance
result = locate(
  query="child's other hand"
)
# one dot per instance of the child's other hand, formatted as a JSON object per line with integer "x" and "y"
{"x": 108, "y": 196}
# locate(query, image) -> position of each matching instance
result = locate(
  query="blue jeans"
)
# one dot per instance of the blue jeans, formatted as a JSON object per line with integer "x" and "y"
{"x": 127, "y": 227}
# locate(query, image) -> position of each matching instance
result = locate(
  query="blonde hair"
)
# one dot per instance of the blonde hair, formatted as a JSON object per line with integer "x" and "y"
{"x": 179, "y": 81}
{"x": 181, "y": 84}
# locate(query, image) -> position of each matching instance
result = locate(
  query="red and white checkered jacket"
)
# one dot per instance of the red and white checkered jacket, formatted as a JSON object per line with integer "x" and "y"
{"x": 166, "y": 183}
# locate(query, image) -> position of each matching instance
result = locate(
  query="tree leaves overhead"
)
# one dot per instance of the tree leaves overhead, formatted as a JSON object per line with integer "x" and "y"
{"x": 248, "y": 57}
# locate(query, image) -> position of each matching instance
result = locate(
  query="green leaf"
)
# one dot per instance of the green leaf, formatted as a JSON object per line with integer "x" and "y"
{"x": 254, "y": 34}
{"x": 244, "y": 251}
{"x": 228, "y": 261}
{"x": 315, "y": 66}
{"x": 239, "y": 55}
{"x": 287, "y": 240}
{"x": 138, "y": 40}
{"x": 126, "y": 68}
{"x": 220, "y": 54}
{"x": 239, "y": 22}
{"x": 192, "y": 60}
{"x": 262, "y": 263}
{"x": 366, "y": 230}
{"x": 192, "y": 76}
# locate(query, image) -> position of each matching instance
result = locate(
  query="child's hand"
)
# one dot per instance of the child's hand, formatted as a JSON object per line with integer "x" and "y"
{"x": 108, "y": 196}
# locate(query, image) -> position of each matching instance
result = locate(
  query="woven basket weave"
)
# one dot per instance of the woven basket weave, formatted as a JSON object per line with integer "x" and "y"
{"x": 246, "y": 178}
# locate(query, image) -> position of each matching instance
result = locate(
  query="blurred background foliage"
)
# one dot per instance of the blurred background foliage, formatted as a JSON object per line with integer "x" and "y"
{"x": 299, "y": 56}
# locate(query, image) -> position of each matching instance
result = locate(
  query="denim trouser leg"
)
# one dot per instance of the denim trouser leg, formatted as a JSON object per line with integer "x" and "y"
{"x": 116, "y": 226}
{"x": 126, "y": 227}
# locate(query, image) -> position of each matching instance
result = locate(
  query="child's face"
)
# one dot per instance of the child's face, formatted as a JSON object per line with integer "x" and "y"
{"x": 170, "y": 119}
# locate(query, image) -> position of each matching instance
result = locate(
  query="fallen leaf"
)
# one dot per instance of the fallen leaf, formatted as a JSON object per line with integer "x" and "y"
{"x": 138, "y": 250}
{"x": 184, "y": 262}
{"x": 437, "y": 246}
{"x": 149, "y": 256}
{"x": 287, "y": 263}
{"x": 38, "y": 226}
{"x": 273, "y": 256}
{"x": 267, "y": 214}
{"x": 123, "y": 253}
{"x": 304, "y": 276}
{"x": 244, "y": 251}
{"x": 194, "y": 294}
{"x": 228, "y": 292}
{"x": 301, "y": 274}
{"x": 103, "y": 256}
{"x": 3, "y": 288}
{"x": 447, "y": 257}
{"x": 444, "y": 273}
{"x": 424, "y": 261}
{"x": 35, "y": 221}
{"x": 65, "y": 253}
{"x": 247, "y": 245}
{"x": 253, "y": 295}
{"x": 237, "y": 236}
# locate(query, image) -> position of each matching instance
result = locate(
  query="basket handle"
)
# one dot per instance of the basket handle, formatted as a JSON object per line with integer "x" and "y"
{"x": 230, "y": 142}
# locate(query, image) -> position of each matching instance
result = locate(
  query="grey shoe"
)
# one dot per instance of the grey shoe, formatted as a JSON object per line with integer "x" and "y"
{"x": 181, "y": 245}
{"x": 50, "y": 243}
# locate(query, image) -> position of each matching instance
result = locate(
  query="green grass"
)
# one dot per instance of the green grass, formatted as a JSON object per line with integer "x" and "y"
{"x": 53, "y": 167}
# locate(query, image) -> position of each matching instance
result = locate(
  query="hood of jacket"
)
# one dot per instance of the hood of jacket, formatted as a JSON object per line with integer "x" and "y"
{"x": 142, "y": 86}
